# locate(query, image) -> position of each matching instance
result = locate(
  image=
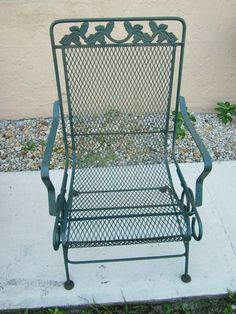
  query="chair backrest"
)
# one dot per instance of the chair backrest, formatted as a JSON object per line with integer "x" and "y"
{"x": 119, "y": 77}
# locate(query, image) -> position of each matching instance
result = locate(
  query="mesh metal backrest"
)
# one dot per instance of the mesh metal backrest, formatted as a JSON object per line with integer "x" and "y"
{"x": 120, "y": 91}
{"x": 125, "y": 79}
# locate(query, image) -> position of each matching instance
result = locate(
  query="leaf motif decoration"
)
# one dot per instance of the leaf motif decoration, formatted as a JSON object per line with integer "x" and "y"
{"x": 138, "y": 27}
{"x": 100, "y": 28}
{"x": 103, "y": 32}
{"x": 153, "y": 26}
{"x": 161, "y": 38}
{"x": 148, "y": 38}
{"x": 162, "y": 33}
{"x": 136, "y": 38}
{"x": 84, "y": 27}
{"x": 136, "y": 32}
{"x": 74, "y": 29}
{"x": 163, "y": 27}
{"x": 65, "y": 40}
{"x": 76, "y": 33}
{"x": 76, "y": 40}
{"x": 91, "y": 39}
{"x": 109, "y": 27}
{"x": 173, "y": 38}
{"x": 97, "y": 37}
{"x": 128, "y": 27}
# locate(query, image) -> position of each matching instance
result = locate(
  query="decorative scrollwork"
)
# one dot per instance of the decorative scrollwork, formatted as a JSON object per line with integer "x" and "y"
{"x": 136, "y": 32}
{"x": 61, "y": 204}
{"x": 187, "y": 200}
{"x": 76, "y": 34}
{"x": 197, "y": 219}
{"x": 56, "y": 235}
{"x": 161, "y": 32}
{"x": 188, "y": 205}
{"x": 103, "y": 33}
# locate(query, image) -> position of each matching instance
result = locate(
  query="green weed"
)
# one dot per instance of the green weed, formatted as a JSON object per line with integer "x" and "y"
{"x": 97, "y": 159}
{"x": 28, "y": 146}
{"x": 180, "y": 127}
{"x": 225, "y": 111}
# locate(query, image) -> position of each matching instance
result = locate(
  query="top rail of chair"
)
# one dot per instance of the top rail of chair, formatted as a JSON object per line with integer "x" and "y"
{"x": 83, "y": 36}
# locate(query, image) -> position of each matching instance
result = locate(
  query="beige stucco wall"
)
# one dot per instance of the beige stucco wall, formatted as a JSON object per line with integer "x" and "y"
{"x": 27, "y": 86}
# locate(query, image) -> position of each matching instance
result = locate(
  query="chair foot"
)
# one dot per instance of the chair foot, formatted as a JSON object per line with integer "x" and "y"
{"x": 186, "y": 278}
{"x": 69, "y": 284}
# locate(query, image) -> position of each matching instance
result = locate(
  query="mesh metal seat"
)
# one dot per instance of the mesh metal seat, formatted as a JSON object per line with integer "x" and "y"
{"x": 118, "y": 97}
{"x": 134, "y": 208}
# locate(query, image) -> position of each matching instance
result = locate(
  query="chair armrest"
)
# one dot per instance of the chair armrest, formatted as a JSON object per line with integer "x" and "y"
{"x": 46, "y": 160}
{"x": 205, "y": 155}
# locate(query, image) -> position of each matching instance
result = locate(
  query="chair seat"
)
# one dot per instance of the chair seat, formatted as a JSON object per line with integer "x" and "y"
{"x": 142, "y": 207}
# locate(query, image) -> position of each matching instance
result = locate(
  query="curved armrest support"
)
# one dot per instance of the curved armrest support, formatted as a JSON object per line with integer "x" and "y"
{"x": 46, "y": 160}
{"x": 205, "y": 155}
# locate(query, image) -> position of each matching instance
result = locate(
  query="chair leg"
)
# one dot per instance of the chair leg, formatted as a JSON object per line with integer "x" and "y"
{"x": 69, "y": 284}
{"x": 186, "y": 277}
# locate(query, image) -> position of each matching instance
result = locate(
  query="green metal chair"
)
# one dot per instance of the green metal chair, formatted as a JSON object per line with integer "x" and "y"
{"x": 118, "y": 78}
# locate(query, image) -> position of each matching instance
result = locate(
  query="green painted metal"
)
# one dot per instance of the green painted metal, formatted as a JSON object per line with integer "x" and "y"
{"x": 103, "y": 32}
{"x": 118, "y": 93}
{"x": 46, "y": 161}
{"x": 205, "y": 155}
{"x": 138, "y": 258}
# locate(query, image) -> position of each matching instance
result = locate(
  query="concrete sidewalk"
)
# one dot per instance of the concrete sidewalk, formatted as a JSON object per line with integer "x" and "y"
{"x": 32, "y": 274}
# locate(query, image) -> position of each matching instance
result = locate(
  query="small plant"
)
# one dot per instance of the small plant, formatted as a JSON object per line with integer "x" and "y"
{"x": 231, "y": 296}
{"x": 225, "y": 111}
{"x": 180, "y": 127}
{"x": 167, "y": 309}
{"x": 42, "y": 143}
{"x": 92, "y": 159}
{"x": 28, "y": 146}
{"x": 228, "y": 309}
{"x": 111, "y": 114}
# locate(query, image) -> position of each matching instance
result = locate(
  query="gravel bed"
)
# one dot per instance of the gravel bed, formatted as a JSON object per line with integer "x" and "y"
{"x": 22, "y": 143}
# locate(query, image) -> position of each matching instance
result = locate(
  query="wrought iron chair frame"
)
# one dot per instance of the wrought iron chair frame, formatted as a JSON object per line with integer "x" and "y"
{"x": 58, "y": 206}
